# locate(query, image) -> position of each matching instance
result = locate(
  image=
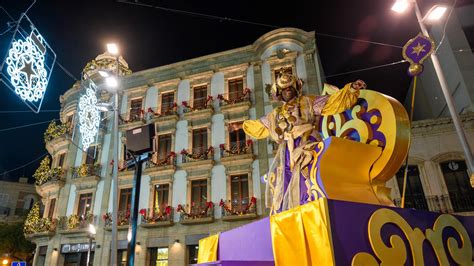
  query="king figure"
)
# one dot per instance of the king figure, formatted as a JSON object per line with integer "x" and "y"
{"x": 294, "y": 126}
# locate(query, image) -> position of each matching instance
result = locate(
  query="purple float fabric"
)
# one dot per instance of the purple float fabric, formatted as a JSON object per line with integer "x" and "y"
{"x": 251, "y": 242}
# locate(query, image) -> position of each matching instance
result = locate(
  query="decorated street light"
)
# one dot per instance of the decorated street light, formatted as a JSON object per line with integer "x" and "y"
{"x": 91, "y": 235}
{"x": 434, "y": 14}
{"x": 113, "y": 83}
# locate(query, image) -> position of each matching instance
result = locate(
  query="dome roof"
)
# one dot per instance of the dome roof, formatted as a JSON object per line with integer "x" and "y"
{"x": 106, "y": 61}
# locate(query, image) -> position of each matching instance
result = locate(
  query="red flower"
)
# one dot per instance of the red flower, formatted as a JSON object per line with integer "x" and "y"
{"x": 211, "y": 149}
{"x": 253, "y": 200}
{"x": 184, "y": 152}
{"x": 150, "y": 110}
{"x": 143, "y": 212}
{"x": 174, "y": 105}
{"x": 184, "y": 103}
{"x": 179, "y": 208}
{"x": 222, "y": 146}
{"x": 210, "y": 98}
{"x": 249, "y": 142}
{"x": 221, "y": 203}
{"x": 172, "y": 154}
{"x": 209, "y": 204}
{"x": 168, "y": 210}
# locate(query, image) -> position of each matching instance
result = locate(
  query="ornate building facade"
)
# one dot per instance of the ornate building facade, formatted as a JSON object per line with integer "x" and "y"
{"x": 205, "y": 173}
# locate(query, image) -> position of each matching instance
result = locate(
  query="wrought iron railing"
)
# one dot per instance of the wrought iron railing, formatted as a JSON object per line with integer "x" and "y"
{"x": 74, "y": 221}
{"x": 132, "y": 117}
{"x": 198, "y": 154}
{"x": 85, "y": 170}
{"x": 123, "y": 218}
{"x": 170, "y": 159}
{"x": 462, "y": 202}
{"x": 235, "y": 97}
{"x": 454, "y": 202}
{"x": 151, "y": 216}
{"x": 237, "y": 148}
{"x": 196, "y": 211}
{"x": 238, "y": 207}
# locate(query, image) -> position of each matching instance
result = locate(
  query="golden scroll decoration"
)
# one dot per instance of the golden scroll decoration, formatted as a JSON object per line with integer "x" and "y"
{"x": 396, "y": 252}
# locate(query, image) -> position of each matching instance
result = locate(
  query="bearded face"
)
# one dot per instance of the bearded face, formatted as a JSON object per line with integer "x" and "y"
{"x": 288, "y": 94}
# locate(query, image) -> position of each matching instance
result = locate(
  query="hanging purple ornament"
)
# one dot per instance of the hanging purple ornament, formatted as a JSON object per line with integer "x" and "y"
{"x": 415, "y": 51}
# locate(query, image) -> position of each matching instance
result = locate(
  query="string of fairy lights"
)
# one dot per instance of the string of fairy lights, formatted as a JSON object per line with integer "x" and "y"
{"x": 11, "y": 25}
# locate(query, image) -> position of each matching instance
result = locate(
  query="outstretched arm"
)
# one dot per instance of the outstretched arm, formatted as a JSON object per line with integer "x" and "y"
{"x": 343, "y": 99}
{"x": 256, "y": 128}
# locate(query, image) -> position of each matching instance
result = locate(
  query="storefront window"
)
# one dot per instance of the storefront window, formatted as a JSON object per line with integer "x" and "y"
{"x": 158, "y": 256}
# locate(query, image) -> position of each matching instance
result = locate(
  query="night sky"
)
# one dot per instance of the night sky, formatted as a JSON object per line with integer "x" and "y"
{"x": 78, "y": 31}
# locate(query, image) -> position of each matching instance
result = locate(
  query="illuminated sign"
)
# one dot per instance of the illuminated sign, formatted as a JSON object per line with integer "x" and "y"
{"x": 89, "y": 116}
{"x": 27, "y": 67}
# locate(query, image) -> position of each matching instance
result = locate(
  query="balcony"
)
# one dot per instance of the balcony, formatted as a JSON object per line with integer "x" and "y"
{"x": 132, "y": 120}
{"x": 170, "y": 113}
{"x": 238, "y": 153}
{"x": 75, "y": 225}
{"x": 238, "y": 210}
{"x": 86, "y": 174}
{"x": 57, "y": 136}
{"x": 48, "y": 179}
{"x": 37, "y": 227}
{"x": 157, "y": 164}
{"x": 123, "y": 220}
{"x": 152, "y": 218}
{"x": 452, "y": 203}
{"x": 200, "y": 157}
{"x": 236, "y": 102}
{"x": 197, "y": 214}
{"x": 202, "y": 109}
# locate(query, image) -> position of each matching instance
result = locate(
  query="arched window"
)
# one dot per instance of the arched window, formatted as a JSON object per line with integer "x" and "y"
{"x": 457, "y": 182}
{"x": 414, "y": 195}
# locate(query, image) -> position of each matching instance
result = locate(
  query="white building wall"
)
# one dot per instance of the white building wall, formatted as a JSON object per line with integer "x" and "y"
{"x": 217, "y": 84}
{"x": 301, "y": 70}
{"x": 151, "y": 98}
{"x": 98, "y": 198}
{"x": 71, "y": 200}
{"x": 179, "y": 190}
{"x": 218, "y": 187}
{"x": 183, "y": 91}
{"x": 256, "y": 183}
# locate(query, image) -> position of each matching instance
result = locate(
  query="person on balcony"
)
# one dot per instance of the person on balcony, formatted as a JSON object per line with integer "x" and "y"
{"x": 294, "y": 126}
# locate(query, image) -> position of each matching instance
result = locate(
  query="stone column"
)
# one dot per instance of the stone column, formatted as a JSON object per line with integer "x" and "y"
{"x": 262, "y": 144}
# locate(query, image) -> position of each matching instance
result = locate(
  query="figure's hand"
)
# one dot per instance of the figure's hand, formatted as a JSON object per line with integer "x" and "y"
{"x": 358, "y": 85}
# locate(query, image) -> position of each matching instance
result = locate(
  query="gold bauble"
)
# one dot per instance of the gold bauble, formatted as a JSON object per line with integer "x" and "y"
{"x": 415, "y": 69}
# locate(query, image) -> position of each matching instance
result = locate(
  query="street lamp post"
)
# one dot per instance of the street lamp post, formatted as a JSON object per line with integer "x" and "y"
{"x": 113, "y": 49}
{"x": 91, "y": 236}
{"x": 400, "y": 6}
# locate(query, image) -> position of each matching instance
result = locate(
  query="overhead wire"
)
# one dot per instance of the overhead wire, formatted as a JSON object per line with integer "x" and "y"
{"x": 27, "y": 125}
{"x": 220, "y": 18}
{"x": 365, "y": 69}
{"x": 22, "y": 166}
{"x": 67, "y": 72}
{"x": 26, "y": 111}
{"x": 444, "y": 27}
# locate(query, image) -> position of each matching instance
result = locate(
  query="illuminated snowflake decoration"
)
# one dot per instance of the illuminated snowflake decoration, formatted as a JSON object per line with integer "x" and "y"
{"x": 26, "y": 67}
{"x": 89, "y": 117}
